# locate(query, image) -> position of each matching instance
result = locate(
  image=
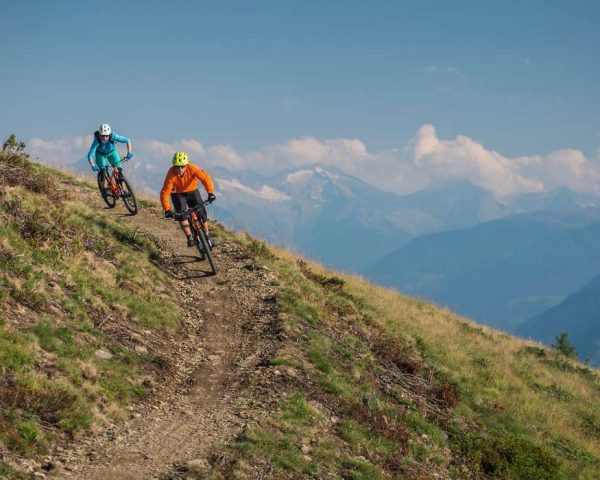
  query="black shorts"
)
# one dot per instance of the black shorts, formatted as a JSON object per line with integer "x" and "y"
{"x": 183, "y": 200}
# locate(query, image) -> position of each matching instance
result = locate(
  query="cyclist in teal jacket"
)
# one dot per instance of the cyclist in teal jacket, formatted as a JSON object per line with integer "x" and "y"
{"x": 104, "y": 150}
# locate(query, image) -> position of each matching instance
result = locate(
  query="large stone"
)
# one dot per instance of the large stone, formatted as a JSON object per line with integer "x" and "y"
{"x": 197, "y": 465}
{"x": 103, "y": 354}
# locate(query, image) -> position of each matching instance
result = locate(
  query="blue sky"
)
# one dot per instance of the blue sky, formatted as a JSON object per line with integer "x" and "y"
{"x": 521, "y": 77}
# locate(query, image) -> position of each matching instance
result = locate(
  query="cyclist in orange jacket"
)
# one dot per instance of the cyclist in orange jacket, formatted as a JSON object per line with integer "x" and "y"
{"x": 181, "y": 184}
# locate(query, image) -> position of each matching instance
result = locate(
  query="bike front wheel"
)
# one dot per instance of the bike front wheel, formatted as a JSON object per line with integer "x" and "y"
{"x": 128, "y": 196}
{"x": 205, "y": 246}
{"x": 105, "y": 192}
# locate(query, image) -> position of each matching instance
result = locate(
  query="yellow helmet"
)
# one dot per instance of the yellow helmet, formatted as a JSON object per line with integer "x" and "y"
{"x": 180, "y": 159}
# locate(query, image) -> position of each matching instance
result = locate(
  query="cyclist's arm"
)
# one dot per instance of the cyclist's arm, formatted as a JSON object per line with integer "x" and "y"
{"x": 120, "y": 139}
{"x": 166, "y": 191}
{"x": 205, "y": 179}
{"x": 92, "y": 151}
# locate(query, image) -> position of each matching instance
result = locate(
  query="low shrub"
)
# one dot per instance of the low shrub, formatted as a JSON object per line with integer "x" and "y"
{"x": 506, "y": 456}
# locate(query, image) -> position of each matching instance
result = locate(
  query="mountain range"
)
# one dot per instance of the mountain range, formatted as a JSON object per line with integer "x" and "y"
{"x": 336, "y": 218}
{"x": 501, "y": 272}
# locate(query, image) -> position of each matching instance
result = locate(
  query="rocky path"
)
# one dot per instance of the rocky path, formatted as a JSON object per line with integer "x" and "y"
{"x": 217, "y": 385}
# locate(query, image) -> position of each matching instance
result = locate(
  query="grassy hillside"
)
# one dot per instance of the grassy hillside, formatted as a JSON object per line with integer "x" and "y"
{"x": 74, "y": 286}
{"x": 371, "y": 384}
{"x": 385, "y": 386}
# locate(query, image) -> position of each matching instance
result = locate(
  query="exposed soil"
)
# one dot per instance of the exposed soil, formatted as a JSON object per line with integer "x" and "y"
{"x": 216, "y": 383}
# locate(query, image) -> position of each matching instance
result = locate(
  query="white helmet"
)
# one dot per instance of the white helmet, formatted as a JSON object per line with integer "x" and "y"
{"x": 104, "y": 129}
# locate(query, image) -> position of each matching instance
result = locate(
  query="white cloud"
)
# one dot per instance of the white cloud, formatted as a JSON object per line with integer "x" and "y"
{"x": 299, "y": 176}
{"x": 224, "y": 155}
{"x": 465, "y": 159}
{"x": 63, "y": 151}
{"x": 157, "y": 148}
{"x": 426, "y": 160}
{"x": 569, "y": 167}
{"x": 193, "y": 147}
{"x": 265, "y": 192}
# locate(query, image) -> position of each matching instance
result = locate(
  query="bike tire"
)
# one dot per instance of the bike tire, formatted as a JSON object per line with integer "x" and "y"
{"x": 199, "y": 247}
{"x": 109, "y": 199}
{"x": 128, "y": 196}
{"x": 207, "y": 250}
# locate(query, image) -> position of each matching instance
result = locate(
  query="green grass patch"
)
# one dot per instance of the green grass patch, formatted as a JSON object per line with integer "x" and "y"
{"x": 567, "y": 449}
{"x": 118, "y": 376}
{"x": 293, "y": 303}
{"x": 507, "y": 456}
{"x": 359, "y": 468}
{"x": 553, "y": 391}
{"x": 297, "y": 412}
{"x": 151, "y": 312}
{"x": 296, "y": 424}
{"x": 366, "y": 442}
{"x": 57, "y": 339}
{"x": 419, "y": 426}
{"x": 318, "y": 348}
{"x": 14, "y": 354}
{"x": 7, "y": 472}
{"x": 558, "y": 362}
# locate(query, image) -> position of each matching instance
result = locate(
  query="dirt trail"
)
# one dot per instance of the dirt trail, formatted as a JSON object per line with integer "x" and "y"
{"x": 218, "y": 384}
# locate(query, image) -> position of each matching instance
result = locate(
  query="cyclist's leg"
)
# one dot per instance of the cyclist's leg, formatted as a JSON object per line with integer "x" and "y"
{"x": 179, "y": 202}
{"x": 115, "y": 161}
{"x": 194, "y": 199}
{"x": 102, "y": 168}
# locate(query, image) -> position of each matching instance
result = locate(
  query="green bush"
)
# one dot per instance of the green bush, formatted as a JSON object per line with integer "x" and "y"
{"x": 507, "y": 456}
{"x": 563, "y": 346}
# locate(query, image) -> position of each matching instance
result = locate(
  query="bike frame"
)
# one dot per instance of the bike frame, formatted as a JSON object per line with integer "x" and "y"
{"x": 114, "y": 174}
{"x": 195, "y": 218}
{"x": 114, "y": 182}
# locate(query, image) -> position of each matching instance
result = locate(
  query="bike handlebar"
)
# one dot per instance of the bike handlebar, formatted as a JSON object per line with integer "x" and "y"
{"x": 188, "y": 211}
{"x": 124, "y": 159}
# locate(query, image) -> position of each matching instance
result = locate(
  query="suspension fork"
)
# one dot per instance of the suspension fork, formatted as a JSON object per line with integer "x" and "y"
{"x": 196, "y": 221}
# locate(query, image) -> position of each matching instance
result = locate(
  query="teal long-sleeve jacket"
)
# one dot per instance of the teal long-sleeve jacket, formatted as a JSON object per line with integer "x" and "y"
{"x": 106, "y": 148}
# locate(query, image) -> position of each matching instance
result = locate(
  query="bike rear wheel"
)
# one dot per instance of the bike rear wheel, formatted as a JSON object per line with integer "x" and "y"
{"x": 207, "y": 250}
{"x": 106, "y": 193}
{"x": 128, "y": 196}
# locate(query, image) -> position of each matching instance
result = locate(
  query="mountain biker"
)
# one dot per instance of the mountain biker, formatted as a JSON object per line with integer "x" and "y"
{"x": 104, "y": 150}
{"x": 181, "y": 183}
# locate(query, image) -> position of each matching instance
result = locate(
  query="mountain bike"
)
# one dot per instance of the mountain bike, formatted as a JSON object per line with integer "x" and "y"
{"x": 197, "y": 218}
{"x": 117, "y": 186}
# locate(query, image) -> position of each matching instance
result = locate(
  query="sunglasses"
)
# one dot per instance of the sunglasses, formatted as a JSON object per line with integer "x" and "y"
{"x": 180, "y": 168}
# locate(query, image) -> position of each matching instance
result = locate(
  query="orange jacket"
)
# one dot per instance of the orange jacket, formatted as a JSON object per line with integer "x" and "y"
{"x": 186, "y": 183}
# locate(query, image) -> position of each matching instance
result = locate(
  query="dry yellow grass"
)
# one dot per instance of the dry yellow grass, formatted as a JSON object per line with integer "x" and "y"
{"x": 508, "y": 380}
{"x": 510, "y": 388}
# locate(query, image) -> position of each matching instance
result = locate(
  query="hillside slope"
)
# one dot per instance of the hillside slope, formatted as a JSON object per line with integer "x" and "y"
{"x": 123, "y": 360}
{"x": 107, "y": 318}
